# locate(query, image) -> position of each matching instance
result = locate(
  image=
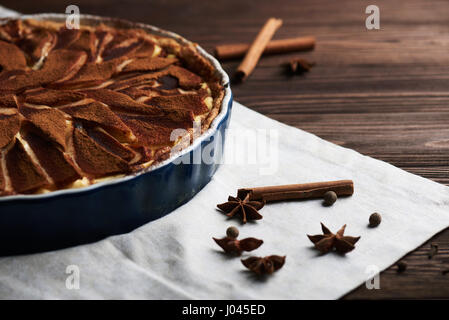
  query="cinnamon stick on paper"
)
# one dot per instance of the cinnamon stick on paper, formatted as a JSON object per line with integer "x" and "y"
{"x": 257, "y": 47}
{"x": 238, "y": 50}
{"x": 298, "y": 191}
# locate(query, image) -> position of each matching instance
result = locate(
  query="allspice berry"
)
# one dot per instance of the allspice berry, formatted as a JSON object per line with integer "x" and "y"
{"x": 329, "y": 198}
{"x": 402, "y": 266}
{"x": 374, "y": 220}
{"x": 232, "y": 232}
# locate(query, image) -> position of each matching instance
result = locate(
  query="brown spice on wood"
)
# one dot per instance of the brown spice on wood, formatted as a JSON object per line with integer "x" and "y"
{"x": 300, "y": 65}
{"x": 402, "y": 266}
{"x": 257, "y": 47}
{"x": 238, "y": 50}
{"x": 433, "y": 250}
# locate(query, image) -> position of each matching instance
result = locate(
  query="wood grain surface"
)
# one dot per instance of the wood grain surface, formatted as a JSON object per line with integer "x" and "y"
{"x": 384, "y": 93}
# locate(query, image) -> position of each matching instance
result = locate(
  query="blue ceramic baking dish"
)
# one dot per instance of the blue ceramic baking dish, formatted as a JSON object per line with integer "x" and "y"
{"x": 35, "y": 223}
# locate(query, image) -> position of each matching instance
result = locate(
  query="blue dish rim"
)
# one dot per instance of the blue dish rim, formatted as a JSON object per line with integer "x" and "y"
{"x": 226, "y": 104}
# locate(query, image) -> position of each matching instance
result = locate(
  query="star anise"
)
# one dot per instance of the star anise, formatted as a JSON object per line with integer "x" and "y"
{"x": 235, "y": 246}
{"x": 264, "y": 265}
{"x": 327, "y": 241}
{"x": 245, "y": 208}
{"x": 300, "y": 65}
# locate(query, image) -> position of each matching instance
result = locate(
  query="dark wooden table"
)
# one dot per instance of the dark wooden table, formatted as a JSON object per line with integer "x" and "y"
{"x": 384, "y": 93}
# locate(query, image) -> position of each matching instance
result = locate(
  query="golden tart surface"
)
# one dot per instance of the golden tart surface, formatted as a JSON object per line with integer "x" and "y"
{"x": 82, "y": 105}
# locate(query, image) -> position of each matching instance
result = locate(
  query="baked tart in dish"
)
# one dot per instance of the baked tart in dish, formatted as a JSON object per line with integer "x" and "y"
{"x": 82, "y": 106}
{"x": 92, "y": 123}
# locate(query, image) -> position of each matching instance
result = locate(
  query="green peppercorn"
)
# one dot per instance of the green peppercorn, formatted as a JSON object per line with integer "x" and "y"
{"x": 232, "y": 232}
{"x": 374, "y": 220}
{"x": 329, "y": 198}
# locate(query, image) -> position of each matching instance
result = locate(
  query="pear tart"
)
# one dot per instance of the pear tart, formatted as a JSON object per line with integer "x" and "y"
{"x": 95, "y": 103}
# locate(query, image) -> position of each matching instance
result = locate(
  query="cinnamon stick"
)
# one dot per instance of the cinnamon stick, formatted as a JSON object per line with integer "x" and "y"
{"x": 298, "y": 191}
{"x": 257, "y": 47}
{"x": 238, "y": 50}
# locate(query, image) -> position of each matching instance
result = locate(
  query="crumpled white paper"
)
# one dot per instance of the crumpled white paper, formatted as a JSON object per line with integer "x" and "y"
{"x": 176, "y": 258}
